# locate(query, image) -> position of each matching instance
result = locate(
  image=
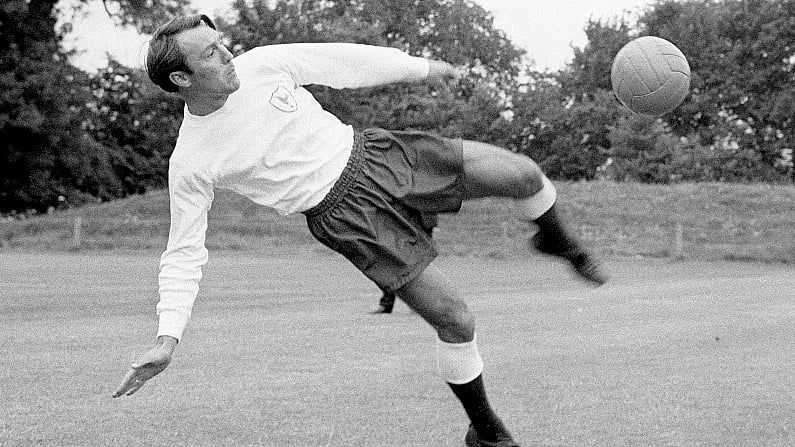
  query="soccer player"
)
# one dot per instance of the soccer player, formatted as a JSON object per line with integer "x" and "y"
{"x": 250, "y": 127}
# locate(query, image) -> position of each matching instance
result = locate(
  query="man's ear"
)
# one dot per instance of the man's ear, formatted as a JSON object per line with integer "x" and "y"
{"x": 180, "y": 79}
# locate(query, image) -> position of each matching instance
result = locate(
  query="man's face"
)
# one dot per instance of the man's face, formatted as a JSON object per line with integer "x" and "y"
{"x": 210, "y": 61}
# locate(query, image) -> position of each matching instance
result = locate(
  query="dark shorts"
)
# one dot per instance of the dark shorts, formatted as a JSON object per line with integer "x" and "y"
{"x": 381, "y": 211}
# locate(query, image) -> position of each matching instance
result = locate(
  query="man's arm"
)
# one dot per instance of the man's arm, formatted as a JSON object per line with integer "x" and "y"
{"x": 338, "y": 65}
{"x": 190, "y": 197}
{"x": 180, "y": 272}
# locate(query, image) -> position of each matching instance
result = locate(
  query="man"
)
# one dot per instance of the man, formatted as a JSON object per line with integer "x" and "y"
{"x": 250, "y": 127}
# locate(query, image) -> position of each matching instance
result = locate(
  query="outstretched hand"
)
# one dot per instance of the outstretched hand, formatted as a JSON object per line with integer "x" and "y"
{"x": 441, "y": 71}
{"x": 148, "y": 365}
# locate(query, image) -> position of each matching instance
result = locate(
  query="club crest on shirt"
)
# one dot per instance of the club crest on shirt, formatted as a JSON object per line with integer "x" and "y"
{"x": 283, "y": 100}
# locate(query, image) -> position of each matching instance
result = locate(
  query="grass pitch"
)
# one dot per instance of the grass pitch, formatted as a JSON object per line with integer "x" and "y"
{"x": 281, "y": 352}
{"x": 719, "y": 221}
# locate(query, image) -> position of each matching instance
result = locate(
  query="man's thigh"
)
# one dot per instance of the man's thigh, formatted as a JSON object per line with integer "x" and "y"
{"x": 494, "y": 171}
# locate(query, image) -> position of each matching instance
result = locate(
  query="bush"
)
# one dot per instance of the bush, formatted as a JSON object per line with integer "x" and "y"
{"x": 643, "y": 149}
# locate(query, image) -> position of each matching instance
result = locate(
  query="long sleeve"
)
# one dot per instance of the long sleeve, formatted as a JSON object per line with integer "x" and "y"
{"x": 342, "y": 65}
{"x": 181, "y": 263}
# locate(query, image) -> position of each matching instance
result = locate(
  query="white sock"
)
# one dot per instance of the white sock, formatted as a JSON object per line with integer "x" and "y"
{"x": 539, "y": 203}
{"x": 459, "y": 363}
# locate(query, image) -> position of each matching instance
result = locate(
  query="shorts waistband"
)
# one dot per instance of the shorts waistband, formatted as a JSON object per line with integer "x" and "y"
{"x": 341, "y": 186}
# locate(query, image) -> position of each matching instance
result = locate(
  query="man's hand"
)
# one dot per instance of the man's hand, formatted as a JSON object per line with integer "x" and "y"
{"x": 148, "y": 365}
{"x": 442, "y": 72}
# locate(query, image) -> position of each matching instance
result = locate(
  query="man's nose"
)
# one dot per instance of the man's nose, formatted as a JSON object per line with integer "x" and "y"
{"x": 227, "y": 56}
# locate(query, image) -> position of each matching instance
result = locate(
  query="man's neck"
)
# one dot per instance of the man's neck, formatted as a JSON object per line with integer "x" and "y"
{"x": 204, "y": 105}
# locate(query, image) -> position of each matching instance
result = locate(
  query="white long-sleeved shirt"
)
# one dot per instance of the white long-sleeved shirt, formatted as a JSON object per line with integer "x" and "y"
{"x": 271, "y": 142}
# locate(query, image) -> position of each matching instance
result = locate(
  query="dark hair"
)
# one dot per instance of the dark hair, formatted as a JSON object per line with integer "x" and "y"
{"x": 164, "y": 56}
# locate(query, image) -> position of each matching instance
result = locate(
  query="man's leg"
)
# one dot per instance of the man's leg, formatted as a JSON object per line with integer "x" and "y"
{"x": 386, "y": 303}
{"x": 493, "y": 171}
{"x": 433, "y": 297}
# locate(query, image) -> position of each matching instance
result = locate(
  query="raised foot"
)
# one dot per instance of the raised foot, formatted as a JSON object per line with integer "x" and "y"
{"x": 581, "y": 261}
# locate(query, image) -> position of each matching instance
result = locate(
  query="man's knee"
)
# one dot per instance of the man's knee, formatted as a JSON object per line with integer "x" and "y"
{"x": 530, "y": 179}
{"x": 434, "y": 298}
{"x": 455, "y": 322}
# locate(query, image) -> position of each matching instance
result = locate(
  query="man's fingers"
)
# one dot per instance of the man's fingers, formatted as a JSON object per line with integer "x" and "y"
{"x": 137, "y": 384}
{"x": 458, "y": 73}
{"x": 134, "y": 379}
{"x": 129, "y": 380}
{"x": 131, "y": 384}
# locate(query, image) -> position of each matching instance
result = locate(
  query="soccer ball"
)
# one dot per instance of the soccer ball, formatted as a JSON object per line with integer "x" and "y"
{"x": 650, "y": 76}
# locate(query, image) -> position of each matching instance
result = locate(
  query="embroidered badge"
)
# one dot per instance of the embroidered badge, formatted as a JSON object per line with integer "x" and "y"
{"x": 283, "y": 100}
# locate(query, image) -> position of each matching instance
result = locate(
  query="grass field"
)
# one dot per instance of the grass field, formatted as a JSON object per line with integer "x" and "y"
{"x": 281, "y": 352}
{"x": 693, "y": 351}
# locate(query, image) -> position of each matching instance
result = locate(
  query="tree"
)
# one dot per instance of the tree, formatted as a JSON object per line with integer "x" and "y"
{"x": 134, "y": 125}
{"x": 35, "y": 114}
{"x": 742, "y": 61}
{"x": 144, "y": 15}
{"x": 48, "y": 154}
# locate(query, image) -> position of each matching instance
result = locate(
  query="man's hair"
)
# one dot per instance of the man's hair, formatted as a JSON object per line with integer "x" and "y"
{"x": 164, "y": 56}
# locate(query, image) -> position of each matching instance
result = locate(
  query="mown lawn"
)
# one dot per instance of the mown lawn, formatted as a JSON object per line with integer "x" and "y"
{"x": 281, "y": 352}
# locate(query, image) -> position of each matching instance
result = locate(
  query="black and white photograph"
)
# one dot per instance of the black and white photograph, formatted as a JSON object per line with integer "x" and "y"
{"x": 397, "y": 223}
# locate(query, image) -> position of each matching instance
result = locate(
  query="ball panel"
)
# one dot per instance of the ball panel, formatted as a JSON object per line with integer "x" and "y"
{"x": 677, "y": 64}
